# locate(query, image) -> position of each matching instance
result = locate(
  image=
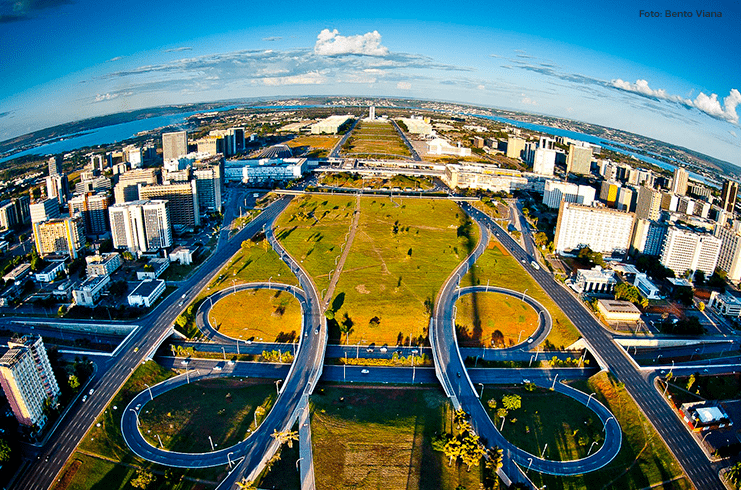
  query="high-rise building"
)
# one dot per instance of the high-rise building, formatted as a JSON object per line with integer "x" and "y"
{"x": 625, "y": 199}
{"x": 679, "y": 183}
{"x": 98, "y": 162}
{"x": 555, "y": 192}
{"x": 8, "y": 218}
{"x": 127, "y": 189}
{"x": 94, "y": 184}
{"x": 372, "y": 112}
{"x": 686, "y": 205}
{"x": 515, "y": 147}
{"x": 60, "y": 236}
{"x": 543, "y": 159}
{"x": 609, "y": 192}
{"x": 44, "y": 210}
{"x": 141, "y": 226}
{"x": 94, "y": 211}
{"x": 700, "y": 191}
{"x": 174, "y": 145}
{"x": 55, "y": 165}
{"x": 579, "y": 160}
{"x": 211, "y": 145}
{"x": 133, "y": 155}
{"x": 669, "y": 201}
{"x": 729, "y": 258}
{"x": 28, "y": 380}
{"x": 686, "y": 249}
{"x": 57, "y": 187}
{"x": 648, "y": 237}
{"x": 648, "y": 205}
{"x": 728, "y": 195}
{"x": 182, "y": 201}
{"x": 602, "y": 230}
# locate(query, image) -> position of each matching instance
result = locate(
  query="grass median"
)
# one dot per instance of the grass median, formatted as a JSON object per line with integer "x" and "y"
{"x": 493, "y": 319}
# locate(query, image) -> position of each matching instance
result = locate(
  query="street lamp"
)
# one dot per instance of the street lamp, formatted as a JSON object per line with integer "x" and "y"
{"x": 481, "y": 395}
{"x": 229, "y": 459}
{"x": 523, "y": 294}
{"x": 212, "y": 442}
{"x": 277, "y": 384}
{"x": 590, "y": 448}
{"x": 590, "y": 398}
{"x": 299, "y": 459}
{"x": 553, "y": 386}
{"x": 137, "y": 416}
{"x": 520, "y": 336}
{"x": 606, "y": 422}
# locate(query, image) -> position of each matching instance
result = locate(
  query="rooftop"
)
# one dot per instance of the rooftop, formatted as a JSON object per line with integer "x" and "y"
{"x": 147, "y": 287}
{"x": 615, "y": 306}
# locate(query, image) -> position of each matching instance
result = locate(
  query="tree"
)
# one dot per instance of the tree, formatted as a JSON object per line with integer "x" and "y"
{"x": 73, "y": 382}
{"x": 143, "y": 479}
{"x": 452, "y": 449}
{"x": 701, "y": 306}
{"x": 541, "y": 239}
{"x": 699, "y": 278}
{"x": 287, "y": 436}
{"x": 502, "y": 412}
{"x": 346, "y": 326}
{"x": 630, "y": 293}
{"x": 492, "y": 403}
{"x": 5, "y": 451}
{"x": 512, "y": 402}
{"x": 734, "y": 475}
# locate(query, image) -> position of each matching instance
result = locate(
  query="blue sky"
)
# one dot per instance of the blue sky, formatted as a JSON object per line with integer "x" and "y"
{"x": 675, "y": 79}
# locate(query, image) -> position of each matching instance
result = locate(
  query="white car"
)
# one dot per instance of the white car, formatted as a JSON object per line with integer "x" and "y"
{"x": 91, "y": 391}
{"x": 84, "y": 398}
{"x": 364, "y": 371}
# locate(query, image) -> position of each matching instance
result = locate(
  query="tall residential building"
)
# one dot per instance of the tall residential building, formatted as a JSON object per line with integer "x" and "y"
{"x": 28, "y": 380}
{"x": 728, "y": 195}
{"x": 543, "y": 159}
{"x": 141, "y": 226}
{"x": 94, "y": 184}
{"x": 55, "y": 165}
{"x": 679, "y": 183}
{"x": 669, "y": 201}
{"x": 648, "y": 205}
{"x": 98, "y": 162}
{"x": 601, "y": 229}
{"x": 133, "y": 155}
{"x": 209, "y": 181}
{"x": 57, "y": 186}
{"x": 60, "y": 236}
{"x": 127, "y": 189}
{"x": 579, "y": 160}
{"x": 555, "y": 192}
{"x": 515, "y": 147}
{"x": 14, "y": 212}
{"x": 174, "y": 145}
{"x": 729, "y": 258}
{"x": 44, "y": 210}
{"x": 648, "y": 237}
{"x": 182, "y": 199}
{"x": 686, "y": 205}
{"x": 94, "y": 210}
{"x": 625, "y": 199}
{"x": 609, "y": 192}
{"x": 685, "y": 249}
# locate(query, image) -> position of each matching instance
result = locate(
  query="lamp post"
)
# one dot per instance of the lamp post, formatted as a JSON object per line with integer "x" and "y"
{"x": 590, "y": 398}
{"x": 212, "y": 442}
{"x": 606, "y": 422}
{"x": 481, "y": 395}
{"x": 137, "y": 416}
{"x": 160, "y": 440}
{"x": 553, "y": 386}
{"x": 530, "y": 463}
{"x": 151, "y": 398}
{"x": 277, "y": 384}
{"x": 590, "y": 447}
{"x": 520, "y": 336}
{"x": 523, "y": 294}
{"x": 229, "y": 459}
{"x": 299, "y": 459}
{"x": 544, "y": 448}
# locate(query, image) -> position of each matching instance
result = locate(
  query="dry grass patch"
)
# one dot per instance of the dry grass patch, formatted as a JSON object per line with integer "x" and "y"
{"x": 493, "y": 319}
{"x": 273, "y": 316}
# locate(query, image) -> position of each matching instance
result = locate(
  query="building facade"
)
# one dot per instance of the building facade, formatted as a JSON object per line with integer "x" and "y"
{"x": 685, "y": 249}
{"x": 141, "y": 226}
{"x": 65, "y": 236}
{"x": 174, "y": 145}
{"x": 603, "y": 230}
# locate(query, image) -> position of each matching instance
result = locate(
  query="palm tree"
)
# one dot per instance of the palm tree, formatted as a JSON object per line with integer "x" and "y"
{"x": 287, "y": 436}
{"x": 734, "y": 475}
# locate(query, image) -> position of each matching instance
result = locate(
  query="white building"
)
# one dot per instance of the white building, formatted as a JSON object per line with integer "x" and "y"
{"x": 725, "y": 303}
{"x": 648, "y": 205}
{"x": 141, "y": 226}
{"x": 579, "y": 160}
{"x": 685, "y": 250}
{"x": 542, "y": 156}
{"x": 88, "y": 293}
{"x": 103, "y": 264}
{"x": 595, "y": 280}
{"x": 483, "y": 176}
{"x": 174, "y": 145}
{"x": 602, "y": 230}
{"x": 680, "y": 181}
{"x": 265, "y": 171}
{"x": 157, "y": 266}
{"x": 417, "y": 125}
{"x": 44, "y": 210}
{"x": 647, "y": 288}
{"x": 555, "y": 192}
{"x": 729, "y": 258}
{"x": 50, "y": 272}
{"x": 439, "y": 146}
{"x": 648, "y": 237}
{"x": 146, "y": 293}
{"x": 183, "y": 255}
{"x": 331, "y": 125}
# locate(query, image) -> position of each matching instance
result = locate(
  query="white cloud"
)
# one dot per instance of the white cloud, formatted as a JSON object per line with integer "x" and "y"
{"x": 111, "y": 96}
{"x": 115, "y": 59}
{"x": 404, "y": 85}
{"x": 733, "y": 133}
{"x": 527, "y": 100}
{"x": 481, "y": 87}
{"x": 312, "y": 78}
{"x": 330, "y": 43}
{"x": 709, "y": 104}
{"x": 176, "y": 50}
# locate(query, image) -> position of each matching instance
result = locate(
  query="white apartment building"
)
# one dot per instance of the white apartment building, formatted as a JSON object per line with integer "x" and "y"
{"x": 603, "y": 230}
{"x": 648, "y": 205}
{"x": 729, "y": 258}
{"x": 555, "y": 192}
{"x": 141, "y": 226}
{"x": 685, "y": 250}
{"x": 264, "y": 171}
{"x": 648, "y": 237}
{"x": 579, "y": 159}
{"x": 44, "y": 210}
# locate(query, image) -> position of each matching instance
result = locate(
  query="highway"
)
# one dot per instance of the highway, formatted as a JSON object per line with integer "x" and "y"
{"x": 114, "y": 373}
{"x": 702, "y": 473}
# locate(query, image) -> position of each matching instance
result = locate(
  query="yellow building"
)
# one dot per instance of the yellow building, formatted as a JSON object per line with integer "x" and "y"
{"x": 59, "y": 236}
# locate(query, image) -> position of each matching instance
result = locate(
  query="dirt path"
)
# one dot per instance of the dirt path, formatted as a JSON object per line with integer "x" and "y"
{"x": 343, "y": 257}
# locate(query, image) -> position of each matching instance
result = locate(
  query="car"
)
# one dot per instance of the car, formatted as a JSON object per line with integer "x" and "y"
{"x": 217, "y": 368}
{"x": 526, "y": 381}
{"x": 364, "y": 371}
{"x": 369, "y": 349}
{"x": 316, "y": 331}
{"x": 523, "y": 261}
{"x": 230, "y": 362}
{"x": 458, "y": 374}
{"x": 248, "y": 341}
{"x": 184, "y": 362}
{"x": 91, "y": 391}
{"x": 138, "y": 406}
{"x": 415, "y": 351}
{"x": 383, "y": 349}
{"x": 84, "y": 398}
{"x": 530, "y": 340}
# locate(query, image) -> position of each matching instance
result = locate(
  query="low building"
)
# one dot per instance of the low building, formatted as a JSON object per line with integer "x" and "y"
{"x": 647, "y": 288}
{"x": 483, "y": 176}
{"x": 332, "y": 124}
{"x": 154, "y": 269}
{"x": 702, "y": 416}
{"x": 50, "y": 272}
{"x": 88, "y": 293}
{"x": 63, "y": 290}
{"x": 725, "y": 304}
{"x": 595, "y": 280}
{"x": 146, "y": 293}
{"x": 618, "y": 311}
{"x": 103, "y": 264}
{"x": 417, "y": 125}
{"x": 183, "y": 255}
{"x": 18, "y": 274}
{"x": 439, "y": 146}
{"x": 265, "y": 172}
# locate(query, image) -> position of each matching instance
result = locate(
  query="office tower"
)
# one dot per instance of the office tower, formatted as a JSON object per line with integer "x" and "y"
{"x": 699, "y": 190}
{"x": 579, "y": 160}
{"x": 555, "y": 192}
{"x": 603, "y": 230}
{"x": 728, "y": 195}
{"x": 625, "y": 199}
{"x": 174, "y": 145}
{"x": 55, "y": 165}
{"x": 648, "y": 237}
{"x": 94, "y": 211}
{"x": 729, "y": 257}
{"x": 182, "y": 199}
{"x": 8, "y": 218}
{"x": 685, "y": 249}
{"x": 141, "y": 226}
{"x": 515, "y": 147}
{"x": 208, "y": 183}
{"x": 543, "y": 159}
{"x": 609, "y": 193}
{"x": 57, "y": 187}
{"x": 211, "y": 145}
{"x": 133, "y": 155}
{"x": 372, "y": 112}
{"x": 669, "y": 201}
{"x": 648, "y": 205}
{"x": 28, "y": 380}
{"x": 127, "y": 189}
{"x": 679, "y": 183}
{"x": 98, "y": 162}
{"x": 94, "y": 184}
{"x": 44, "y": 210}
{"x": 686, "y": 205}
{"x": 64, "y": 236}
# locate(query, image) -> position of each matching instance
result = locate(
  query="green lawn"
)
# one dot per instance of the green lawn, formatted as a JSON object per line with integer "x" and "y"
{"x": 272, "y": 316}
{"x": 356, "y": 181}
{"x": 546, "y": 417}
{"x": 223, "y": 408}
{"x": 402, "y": 253}
{"x": 375, "y": 138}
{"x": 312, "y": 229}
{"x": 381, "y": 439}
{"x": 499, "y": 268}
{"x": 644, "y": 460}
{"x": 493, "y": 319}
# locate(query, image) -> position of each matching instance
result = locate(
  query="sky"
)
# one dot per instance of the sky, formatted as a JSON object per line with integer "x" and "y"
{"x": 676, "y": 79}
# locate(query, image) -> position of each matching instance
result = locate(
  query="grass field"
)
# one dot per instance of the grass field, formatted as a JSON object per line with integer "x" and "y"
{"x": 356, "y": 181}
{"x": 402, "y": 253}
{"x": 381, "y": 439}
{"x": 644, "y": 460}
{"x": 492, "y": 319}
{"x": 316, "y": 146}
{"x": 546, "y": 417}
{"x": 273, "y": 316}
{"x": 375, "y": 139}
{"x": 312, "y": 229}
{"x": 222, "y": 408}
{"x": 104, "y": 462}
{"x": 499, "y": 268}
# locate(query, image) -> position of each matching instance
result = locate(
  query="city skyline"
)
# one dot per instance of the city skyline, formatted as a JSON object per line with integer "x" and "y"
{"x": 672, "y": 79}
